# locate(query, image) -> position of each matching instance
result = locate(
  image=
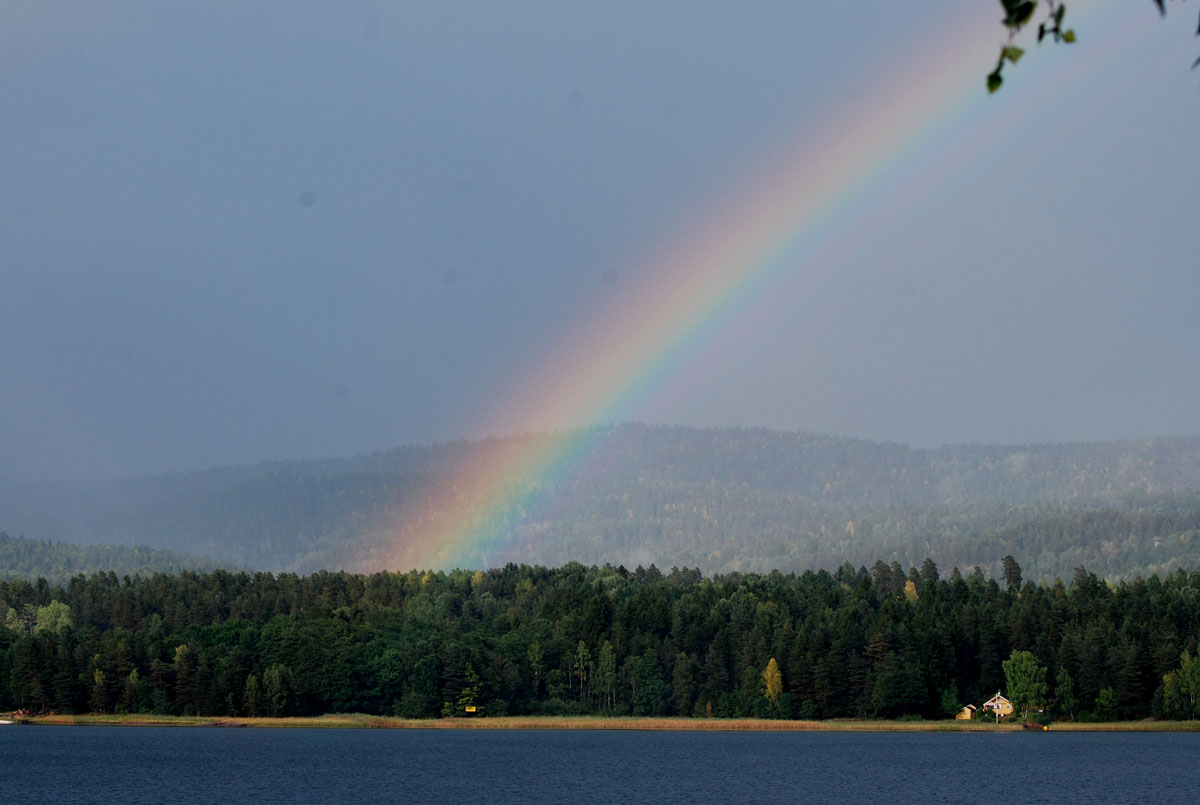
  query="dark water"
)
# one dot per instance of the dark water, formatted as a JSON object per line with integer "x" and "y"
{"x": 155, "y": 764}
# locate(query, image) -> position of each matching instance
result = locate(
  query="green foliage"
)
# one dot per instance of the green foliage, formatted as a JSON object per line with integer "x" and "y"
{"x": 582, "y": 666}
{"x": 21, "y": 621}
{"x": 57, "y": 562}
{"x": 135, "y": 697}
{"x": 535, "y": 655}
{"x": 1013, "y": 54}
{"x": 252, "y": 697}
{"x": 1026, "y": 681}
{"x": 605, "y": 676}
{"x": 1106, "y": 704}
{"x": 1012, "y": 572}
{"x": 683, "y": 684}
{"x": 740, "y": 644}
{"x": 468, "y": 697}
{"x": 1181, "y": 687}
{"x": 98, "y": 701}
{"x": 899, "y": 687}
{"x": 1018, "y": 14}
{"x": 277, "y": 685}
{"x": 54, "y": 617}
{"x": 772, "y": 682}
{"x": 1064, "y": 693}
{"x": 649, "y": 692}
{"x": 949, "y": 704}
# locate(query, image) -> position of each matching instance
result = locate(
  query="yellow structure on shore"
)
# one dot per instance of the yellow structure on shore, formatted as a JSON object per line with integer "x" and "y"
{"x": 999, "y": 706}
{"x": 966, "y": 714}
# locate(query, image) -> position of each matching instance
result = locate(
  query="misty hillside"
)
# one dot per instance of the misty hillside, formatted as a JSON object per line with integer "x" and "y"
{"x": 718, "y": 499}
{"x": 58, "y": 562}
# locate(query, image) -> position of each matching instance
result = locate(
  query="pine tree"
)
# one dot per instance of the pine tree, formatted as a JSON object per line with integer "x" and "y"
{"x": 252, "y": 697}
{"x": 535, "y": 657}
{"x": 1064, "y": 692}
{"x": 683, "y": 684}
{"x": 1012, "y": 573}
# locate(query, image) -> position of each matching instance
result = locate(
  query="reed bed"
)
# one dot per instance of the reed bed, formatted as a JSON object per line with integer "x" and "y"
{"x": 362, "y": 721}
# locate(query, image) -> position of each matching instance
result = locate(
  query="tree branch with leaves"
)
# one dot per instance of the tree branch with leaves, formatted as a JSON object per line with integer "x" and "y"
{"x": 1020, "y": 13}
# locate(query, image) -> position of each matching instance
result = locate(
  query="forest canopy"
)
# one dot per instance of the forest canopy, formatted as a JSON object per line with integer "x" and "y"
{"x": 883, "y": 642}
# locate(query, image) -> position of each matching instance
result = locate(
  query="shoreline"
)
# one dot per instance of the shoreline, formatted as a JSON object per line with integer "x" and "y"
{"x": 362, "y": 721}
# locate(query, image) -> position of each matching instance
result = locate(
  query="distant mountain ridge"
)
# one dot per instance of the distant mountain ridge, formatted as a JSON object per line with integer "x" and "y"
{"x": 58, "y": 562}
{"x": 717, "y": 498}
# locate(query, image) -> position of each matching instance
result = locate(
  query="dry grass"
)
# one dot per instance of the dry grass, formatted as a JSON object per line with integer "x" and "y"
{"x": 1148, "y": 725}
{"x": 146, "y": 720}
{"x": 684, "y": 724}
{"x": 361, "y": 721}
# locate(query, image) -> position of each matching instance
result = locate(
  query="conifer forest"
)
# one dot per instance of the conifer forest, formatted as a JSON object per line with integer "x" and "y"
{"x": 877, "y": 642}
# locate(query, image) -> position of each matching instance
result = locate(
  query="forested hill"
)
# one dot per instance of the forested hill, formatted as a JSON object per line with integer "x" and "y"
{"x": 57, "y": 562}
{"x": 719, "y": 499}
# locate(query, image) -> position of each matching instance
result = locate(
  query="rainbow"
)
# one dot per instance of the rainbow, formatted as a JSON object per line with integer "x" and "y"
{"x": 780, "y": 235}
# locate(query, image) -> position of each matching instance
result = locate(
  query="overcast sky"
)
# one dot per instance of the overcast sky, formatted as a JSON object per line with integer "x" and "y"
{"x": 233, "y": 232}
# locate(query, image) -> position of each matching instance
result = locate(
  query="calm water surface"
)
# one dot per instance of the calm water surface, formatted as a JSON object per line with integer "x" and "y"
{"x": 157, "y": 764}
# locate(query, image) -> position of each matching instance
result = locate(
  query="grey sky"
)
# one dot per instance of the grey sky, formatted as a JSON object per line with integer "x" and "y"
{"x": 234, "y": 232}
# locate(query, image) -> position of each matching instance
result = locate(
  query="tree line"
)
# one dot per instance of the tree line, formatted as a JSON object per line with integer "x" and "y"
{"x": 58, "y": 562}
{"x": 881, "y": 642}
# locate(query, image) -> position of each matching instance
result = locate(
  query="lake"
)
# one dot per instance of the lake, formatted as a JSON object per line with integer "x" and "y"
{"x": 159, "y": 764}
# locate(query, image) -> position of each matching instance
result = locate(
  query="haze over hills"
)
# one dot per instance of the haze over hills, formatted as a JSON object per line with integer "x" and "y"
{"x": 719, "y": 499}
{"x": 58, "y": 562}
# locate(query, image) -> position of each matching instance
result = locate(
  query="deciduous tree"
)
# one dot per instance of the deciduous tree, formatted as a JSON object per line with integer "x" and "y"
{"x": 580, "y": 667}
{"x": 277, "y": 682}
{"x": 606, "y": 675}
{"x": 1106, "y": 704}
{"x": 1026, "y": 681}
{"x": 54, "y": 617}
{"x": 98, "y": 701}
{"x": 772, "y": 682}
{"x": 1181, "y": 687}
